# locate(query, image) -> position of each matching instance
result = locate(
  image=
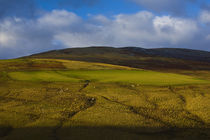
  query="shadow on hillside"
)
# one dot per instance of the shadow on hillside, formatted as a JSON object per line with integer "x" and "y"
{"x": 103, "y": 133}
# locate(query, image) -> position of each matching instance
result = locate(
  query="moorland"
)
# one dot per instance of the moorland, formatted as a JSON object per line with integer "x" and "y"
{"x": 106, "y": 93}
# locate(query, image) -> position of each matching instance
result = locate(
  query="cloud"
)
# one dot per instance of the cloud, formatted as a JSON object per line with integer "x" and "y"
{"x": 205, "y": 17}
{"x": 59, "y": 18}
{"x": 23, "y": 37}
{"x": 141, "y": 29}
{"x": 171, "y": 6}
{"x": 62, "y": 29}
{"x": 208, "y": 37}
{"x": 175, "y": 30}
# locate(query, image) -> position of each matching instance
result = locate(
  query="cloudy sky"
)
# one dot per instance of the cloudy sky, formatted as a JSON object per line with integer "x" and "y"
{"x": 32, "y": 26}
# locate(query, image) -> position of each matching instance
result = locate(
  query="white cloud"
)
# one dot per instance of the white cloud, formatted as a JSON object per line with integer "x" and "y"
{"x": 175, "y": 30}
{"x": 141, "y": 29}
{"x": 208, "y": 37}
{"x": 60, "y": 28}
{"x": 99, "y": 19}
{"x": 8, "y": 36}
{"x": 23, "y": 38}
{"x": 59, "y": 18}
{"x": 205, "y": 17}
{"x": 7, "y": 39}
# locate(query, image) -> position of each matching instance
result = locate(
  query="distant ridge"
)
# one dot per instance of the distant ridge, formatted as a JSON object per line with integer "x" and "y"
{"x": 186, "y": 54}
{"x": 159, "y": 58}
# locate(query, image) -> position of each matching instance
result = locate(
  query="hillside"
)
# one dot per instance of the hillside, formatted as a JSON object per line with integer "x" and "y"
{"x": 51, "y": 96}
{"x": 154, "y": 59}
{"x": 45, "y": 99}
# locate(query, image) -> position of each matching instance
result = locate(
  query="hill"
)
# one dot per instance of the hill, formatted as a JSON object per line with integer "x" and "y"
{"x": 45, "y": 99}
{"x": 154, "y": 59}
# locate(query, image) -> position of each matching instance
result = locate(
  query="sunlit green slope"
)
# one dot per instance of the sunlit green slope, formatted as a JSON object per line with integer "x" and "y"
{"x": 107, "y": 76}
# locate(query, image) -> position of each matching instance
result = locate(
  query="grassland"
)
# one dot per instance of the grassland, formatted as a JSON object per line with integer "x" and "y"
{"x": 107, "y": 76}
{"x": 59, "y": 99}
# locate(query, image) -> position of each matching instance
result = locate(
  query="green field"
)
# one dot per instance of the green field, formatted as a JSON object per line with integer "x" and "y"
{"x": 142, "y": 77}
{"x": 48, "y": 99}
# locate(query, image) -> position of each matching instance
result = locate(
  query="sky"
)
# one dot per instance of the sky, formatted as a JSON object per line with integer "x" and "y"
{"x": 33, "y": 26}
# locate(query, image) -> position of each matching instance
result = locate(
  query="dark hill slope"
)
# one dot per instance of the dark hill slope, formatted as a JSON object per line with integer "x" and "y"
{"x": 158, "y": 59}
{"x": 186, "y": 54}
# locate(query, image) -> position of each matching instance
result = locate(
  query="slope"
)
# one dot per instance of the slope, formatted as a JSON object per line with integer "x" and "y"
{"x": 49, "y": 99}
{"x": 154, "y": 59}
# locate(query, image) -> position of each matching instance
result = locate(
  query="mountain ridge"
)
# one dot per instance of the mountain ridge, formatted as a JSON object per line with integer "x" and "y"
{"x": 157, "y": 58}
